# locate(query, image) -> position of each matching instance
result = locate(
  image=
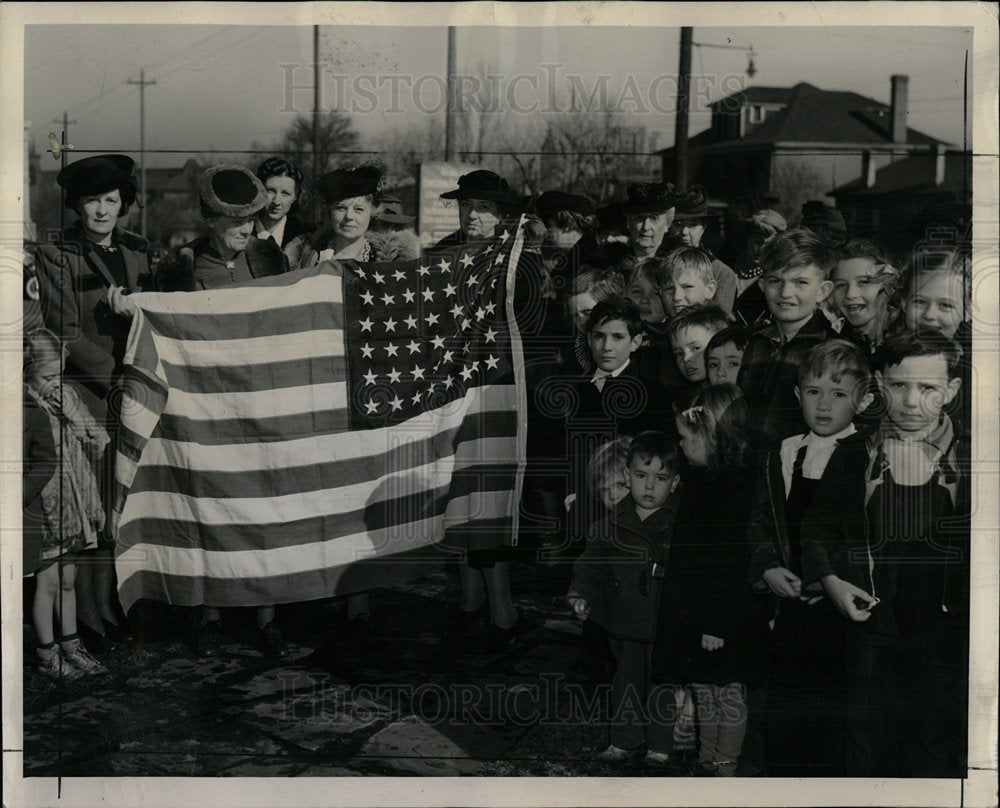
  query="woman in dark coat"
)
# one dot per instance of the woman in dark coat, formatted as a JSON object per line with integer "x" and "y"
{"x": 80, "y": 277}
{"x": 277, "y": 220}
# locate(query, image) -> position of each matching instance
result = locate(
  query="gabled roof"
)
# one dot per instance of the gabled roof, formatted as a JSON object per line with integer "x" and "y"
{"x": 813, "y": 115}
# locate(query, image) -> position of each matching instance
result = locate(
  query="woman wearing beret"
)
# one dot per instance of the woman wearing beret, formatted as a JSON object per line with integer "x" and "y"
{"x": 231, "y": 199}
{"x": 277, "y": 221}
{"x": 352, "y": 195}
{"x": 80, "y": 277}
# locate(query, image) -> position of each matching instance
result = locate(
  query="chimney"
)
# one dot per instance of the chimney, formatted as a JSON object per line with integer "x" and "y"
{"x": 940, "y": 163}
{"x": 868, "y": 168}
{"x": 897, "y": 113}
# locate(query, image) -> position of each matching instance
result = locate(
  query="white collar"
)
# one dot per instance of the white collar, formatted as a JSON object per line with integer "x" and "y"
{"x": 813, "y": 438}
{"x": 614, "y": 374}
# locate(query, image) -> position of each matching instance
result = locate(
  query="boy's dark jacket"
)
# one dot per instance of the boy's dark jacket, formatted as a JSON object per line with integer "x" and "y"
{"x": 627, "y": 405}
{"x": 615, "y": 572}
{"x": 835, "y": 535}
{"x": 705, "y": 590}
{"x": 769, "y": 373}
{"x": 767, "y": 530}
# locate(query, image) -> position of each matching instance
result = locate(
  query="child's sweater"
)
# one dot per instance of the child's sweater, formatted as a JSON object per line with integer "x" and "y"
{"x": 621, "y": 569}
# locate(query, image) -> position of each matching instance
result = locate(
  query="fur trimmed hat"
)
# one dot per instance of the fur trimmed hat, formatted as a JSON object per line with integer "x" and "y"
{"x": 650, "y": 197}
{"x": 230, "y": 190}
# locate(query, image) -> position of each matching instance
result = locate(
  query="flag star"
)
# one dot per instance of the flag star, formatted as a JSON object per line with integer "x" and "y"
{"x": 366, "y": 324}
{"x": 370, "y": 377}
{"x": 456, "y": 311}
{"x": 466, "y": 373}
{"x": 480, "y": 313}
{"x": 467, "y": 261}
{"x": 428, "y": 294}
{"x": 414, "y": 347}
{"x": 416, "y": 398}
{"x": 391, "y": 349}
{"x": 431, "y": 319}
{"x": 473, "y": 280}
{"x": 367, "y": 349}
{"x": 492, "y": 362}
{"x": 394, "y": 375}
{"x": 490, "y": 308}
{"x": 396, "y": 403}
{"x": 388, "y": 299}
{"x": 367, "y": 297}
{"x": 399, "y": 275}
{"x": 449, "y": 381}
{"x": 475, "y": 366}
{"x": 450, "y": 290}
{"x": 418, "y": 372}
{"x": 448, "y": 355}
{"x": 379, "y": 277}
{"x": 361, "y": 272}
{"x": 499, "y": 259}
{"x": 424, "y": 271}
{"x": 438, "y": 341}
{"x": 372, "y": 408}
{"x": 445, "y": 266}
{"x": 465, "y": 324}
{"x": 504, "y": 237}
{"x": 490, "y": 335}
{"x": 390, "y": 325}
{"x": 411, "y": 321}
{"x": 408, "y": 296}
{"x": 489, "y": 248}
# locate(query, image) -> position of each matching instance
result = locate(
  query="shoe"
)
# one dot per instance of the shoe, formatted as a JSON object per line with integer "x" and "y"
{"x": 497, "y": 639}
{"x": 274, "y": 643}
{"x": 96, "y": 643}
{"x": 51, "y": 665}
{"x": 615, "y": 754}
{"x": 79, "y": 657}
{"x": 719, "y": 768}
{"x": 207, "y": 638}
{"x": 460, "y": 622}
{"x": 656, "y": 760}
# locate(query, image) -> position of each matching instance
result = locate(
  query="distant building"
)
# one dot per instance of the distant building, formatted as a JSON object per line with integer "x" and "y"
{"x": 780, "y": 146}
{"x": 923, "y": 196}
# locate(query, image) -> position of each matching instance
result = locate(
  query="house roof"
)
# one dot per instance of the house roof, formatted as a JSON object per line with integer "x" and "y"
{"x": 813, "y": 115}
{"x": 916, "y": 172}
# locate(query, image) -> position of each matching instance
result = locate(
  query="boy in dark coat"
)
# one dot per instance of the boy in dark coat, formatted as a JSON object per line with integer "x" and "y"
{"x": 796, "y": 270}
{"x": 807, "y": 638}
{"x": 617, "y": 584}
{"x": 887, "y": 536}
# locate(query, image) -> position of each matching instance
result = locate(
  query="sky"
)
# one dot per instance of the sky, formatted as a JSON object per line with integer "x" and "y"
{"x": 226, "y": 87}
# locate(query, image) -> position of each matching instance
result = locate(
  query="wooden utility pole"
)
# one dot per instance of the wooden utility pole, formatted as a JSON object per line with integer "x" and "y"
{"x": 317, "y": 93}
{"x": 142, "y": 140}
{"x": 683, "y": 106}
{"x": 449, "y": 123}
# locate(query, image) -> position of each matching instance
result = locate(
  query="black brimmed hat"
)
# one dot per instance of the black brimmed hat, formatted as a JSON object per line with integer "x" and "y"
{"x": 692, "y": 204}
{"x": 349, "y": 182}
{"x": 393, "y": 211}
{"x": 818, "y": 216}
{"x": 97, "y": 175}
{"x": 650, "y": 197}
{"x": 551, "y": 202}
{"x": 231, "y": 190}
{"x": 484, "y": 185}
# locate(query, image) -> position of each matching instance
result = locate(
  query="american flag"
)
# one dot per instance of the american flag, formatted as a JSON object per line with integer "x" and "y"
{"x": 279, "y": 436}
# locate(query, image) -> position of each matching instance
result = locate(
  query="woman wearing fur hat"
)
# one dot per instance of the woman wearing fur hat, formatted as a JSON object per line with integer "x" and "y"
{"x": 231, "y": 197}
{"x": 80, "y": 276}
{"x": 352, "y": 196}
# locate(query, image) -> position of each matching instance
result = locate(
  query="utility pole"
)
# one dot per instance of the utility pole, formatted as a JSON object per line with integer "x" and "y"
{"x": 449, "y": 123}
{"x": 317, "y": 92}
{"x": 142, "y": 139}
{"x": 683, "y": 106}
{"x": 65, "y": 121}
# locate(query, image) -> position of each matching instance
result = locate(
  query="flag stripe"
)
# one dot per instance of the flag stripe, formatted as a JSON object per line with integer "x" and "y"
{"x": 376, "y": 516}
{"x": 258, "y": 376}
{"x": 248, "y": 433}
{"x": 229, "y": 405}
{"x": 318, "y": 446}
{"x": 317, "y": 343}
{"x": 264, "y": 322}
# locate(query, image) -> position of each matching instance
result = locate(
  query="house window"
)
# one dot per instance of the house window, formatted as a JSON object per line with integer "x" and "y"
{"x": 756, "y": 113}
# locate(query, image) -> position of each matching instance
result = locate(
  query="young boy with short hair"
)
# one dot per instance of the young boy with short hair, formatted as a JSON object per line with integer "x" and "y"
{"x": 807, "y": 636}
{"x": 887, "y": 536}
{"x": 616, "y": 583}
{"x": 688, "y": 280}
{"x": 724, "y": 354}
{"x": 690, "y": 333}
{"x": 795, "y": 279}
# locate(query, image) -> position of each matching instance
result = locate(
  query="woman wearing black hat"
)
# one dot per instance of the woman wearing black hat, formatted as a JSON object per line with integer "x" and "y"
{"x": 230, "y": 197}
{"x": 80, "y": 276}
{"x": 277, "y": 221}
{"x": 484, "y": 199}
{"x": 352, "y": 196}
